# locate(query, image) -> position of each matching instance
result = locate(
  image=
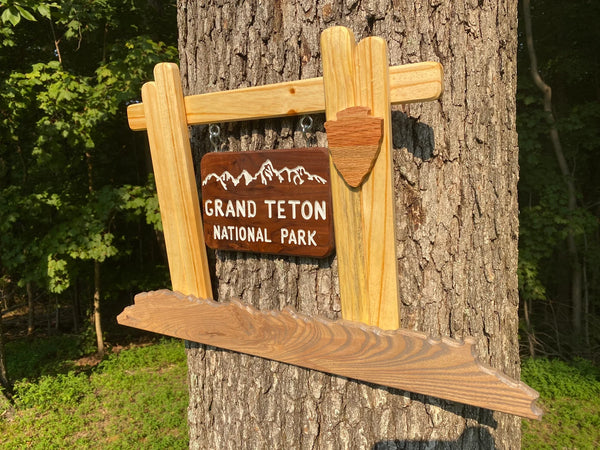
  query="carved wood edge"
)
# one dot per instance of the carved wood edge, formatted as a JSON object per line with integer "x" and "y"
{"x": 401, "y": 359}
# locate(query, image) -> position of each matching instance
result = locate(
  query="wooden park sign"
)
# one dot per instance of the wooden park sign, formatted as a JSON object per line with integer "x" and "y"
{"x": 367, "y": 344}
{"x": 275, "y": 201}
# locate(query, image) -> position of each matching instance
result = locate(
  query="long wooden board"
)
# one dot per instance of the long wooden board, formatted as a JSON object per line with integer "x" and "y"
{"x": 357, "y": 75}
{"x": 408, "y": 83}
{"x": 175, "y": 182}
{"x": 399, "y": 359}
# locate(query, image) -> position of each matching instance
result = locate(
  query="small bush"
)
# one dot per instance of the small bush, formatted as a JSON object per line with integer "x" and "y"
{"x": 134, "y": 399}
{"x": 554, "y": 379}
{"x": 32, "y": 358}
{"x": 167, "y": 352}
{"x": 570, "y": 397}
{"x": 51, "y": 392}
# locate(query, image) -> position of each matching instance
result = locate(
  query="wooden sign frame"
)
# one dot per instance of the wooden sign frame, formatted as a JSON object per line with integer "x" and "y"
{"x": 354, "y": 75}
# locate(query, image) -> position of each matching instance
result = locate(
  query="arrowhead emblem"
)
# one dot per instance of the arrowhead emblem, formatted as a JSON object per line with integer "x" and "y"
{"x": 354, "y": 143}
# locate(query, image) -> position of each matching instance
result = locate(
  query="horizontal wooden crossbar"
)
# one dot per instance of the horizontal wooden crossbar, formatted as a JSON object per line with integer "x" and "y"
{"x": 400, "y": 359}
{"x": 408, "y": 83}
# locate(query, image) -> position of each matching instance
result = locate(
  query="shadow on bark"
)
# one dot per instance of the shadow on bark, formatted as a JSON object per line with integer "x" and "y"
{"x": 484, "y": 417}
{"x": 417, "y": 137}
{"x": 479, "y": 435}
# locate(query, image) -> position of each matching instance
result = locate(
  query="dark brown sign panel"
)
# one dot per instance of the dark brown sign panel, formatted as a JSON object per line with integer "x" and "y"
{"x": 272, "y": 201}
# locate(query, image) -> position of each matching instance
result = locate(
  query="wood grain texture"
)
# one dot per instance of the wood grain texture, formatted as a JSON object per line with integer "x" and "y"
{"x": 357, "y": 75}
{"x": 175, "y": 182}
{"x": 400, "y": 359}
{"x": 408, "y": 83}
{"x": 337, "y": 53}
{"x": 354, "y": 140}
{"x": 377, "y": 192}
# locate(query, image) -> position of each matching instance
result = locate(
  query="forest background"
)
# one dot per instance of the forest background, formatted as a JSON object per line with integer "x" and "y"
{"x": 80, "y": 229}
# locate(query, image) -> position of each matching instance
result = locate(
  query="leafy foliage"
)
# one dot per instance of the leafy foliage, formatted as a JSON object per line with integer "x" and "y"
{"x": 570, "y": 397}
{"x": 143, "y": 388}
{"x": 555, "y": 379}
{"x": 74, "y": 184}
{"x": 33, "y": 358}
{"x": 64, "y": 390}
{"x": 567, "y": 43}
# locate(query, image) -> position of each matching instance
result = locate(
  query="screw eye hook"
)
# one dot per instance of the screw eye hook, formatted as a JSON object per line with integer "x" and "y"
{"x": 306, "y": 124}
{"x": 214, "y": 133}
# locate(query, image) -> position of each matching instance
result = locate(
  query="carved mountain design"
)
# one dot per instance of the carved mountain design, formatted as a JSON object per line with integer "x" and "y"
{"x": 267, "y": 174}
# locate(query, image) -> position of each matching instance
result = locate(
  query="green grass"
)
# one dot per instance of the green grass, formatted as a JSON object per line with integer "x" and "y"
{"x": 136, "y": 399}
{"x": 570, "y": 397}
{"x": 31, "y": 358}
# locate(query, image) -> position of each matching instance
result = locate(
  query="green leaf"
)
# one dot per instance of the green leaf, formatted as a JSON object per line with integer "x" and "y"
{"x": 44, "y": 10}
{"x": 58, "y": 275}
{"x": 11, "y": 15}
{"x": 26, "y": 14}
{"x": 54, "y": 65}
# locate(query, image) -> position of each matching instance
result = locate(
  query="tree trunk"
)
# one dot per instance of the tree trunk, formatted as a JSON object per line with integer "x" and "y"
{"x": 30, "y": 309}
{"x": 456, "y": 172}
{"x": 75, "y": 306}
{"x": 97, "y": 316}
{"x": 5, "y": 384}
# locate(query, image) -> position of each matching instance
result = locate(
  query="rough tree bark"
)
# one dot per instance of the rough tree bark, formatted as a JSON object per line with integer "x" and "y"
{"x": 30, "y": 309}
{"x": 96, "y": 314}
{"x": 456, "y": 174}
{"x": 5, "y": 384}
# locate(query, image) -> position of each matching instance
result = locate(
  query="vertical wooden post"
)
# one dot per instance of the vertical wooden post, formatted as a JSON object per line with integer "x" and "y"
{"x": 358, "y": 75}
{"x": 175, "y": 182}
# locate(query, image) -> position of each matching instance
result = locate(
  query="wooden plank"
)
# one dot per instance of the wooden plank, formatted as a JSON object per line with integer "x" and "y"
{"x": 269, "y": 201}
{"x": 337, "y": 53}
{"x": 377, "y": 192}
{"x": 357, "y": 75}
{"x": 419, "y": 82}
{"x": 408, "y": 83}
{"x": 399, "y": 359}
{"x": 175, "y": 182}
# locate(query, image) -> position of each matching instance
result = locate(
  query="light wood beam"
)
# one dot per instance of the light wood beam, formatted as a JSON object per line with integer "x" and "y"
{"x": 408, "y": 83}
{"x": 175, "y": 182}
